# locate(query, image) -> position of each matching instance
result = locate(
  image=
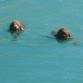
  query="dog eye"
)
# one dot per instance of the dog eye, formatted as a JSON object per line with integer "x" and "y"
{"x": 63, "y": 33}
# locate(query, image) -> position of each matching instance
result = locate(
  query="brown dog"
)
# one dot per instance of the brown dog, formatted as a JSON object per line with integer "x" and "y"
{"x": 63, "y": 34}
{"x": 16, "y": 27}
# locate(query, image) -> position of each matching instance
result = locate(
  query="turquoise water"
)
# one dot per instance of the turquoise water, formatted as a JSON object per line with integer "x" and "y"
{"x": 36, "y": 57}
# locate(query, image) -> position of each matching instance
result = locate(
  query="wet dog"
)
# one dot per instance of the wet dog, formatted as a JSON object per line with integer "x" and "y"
{"x": 62, "y": 34}
{"x": 16, "y": 27}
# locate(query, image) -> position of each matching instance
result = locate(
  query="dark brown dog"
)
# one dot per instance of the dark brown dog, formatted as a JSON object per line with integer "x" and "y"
{"x": 16, "y": 27}
{"x": 63, "y": 34}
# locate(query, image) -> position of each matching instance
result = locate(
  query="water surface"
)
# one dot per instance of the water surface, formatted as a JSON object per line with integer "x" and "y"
{"x": 33, "y": 57}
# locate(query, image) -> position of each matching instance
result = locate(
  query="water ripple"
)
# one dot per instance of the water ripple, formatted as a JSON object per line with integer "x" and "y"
{"x": 14, "y": 5}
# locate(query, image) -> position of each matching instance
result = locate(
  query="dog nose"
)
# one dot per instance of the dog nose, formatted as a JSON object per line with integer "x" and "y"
{"x": 16, "y": 26}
